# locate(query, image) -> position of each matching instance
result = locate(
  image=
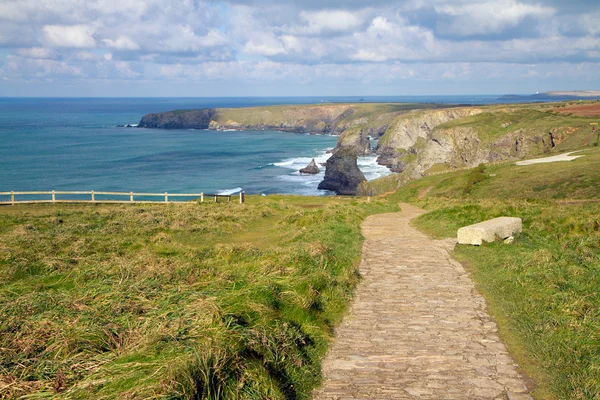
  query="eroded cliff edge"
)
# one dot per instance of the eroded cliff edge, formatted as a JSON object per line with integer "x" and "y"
{"x": 411, "y": 139}
{"x": 354, "y": 123}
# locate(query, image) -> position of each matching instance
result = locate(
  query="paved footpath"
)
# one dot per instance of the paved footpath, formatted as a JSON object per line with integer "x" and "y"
{"x": 417, "y": 328}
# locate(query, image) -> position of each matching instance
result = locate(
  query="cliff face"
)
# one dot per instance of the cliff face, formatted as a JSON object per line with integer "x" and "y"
{"x": 422, "y": 142}
{"x": 398, "y": 146}
{"x": 183, "y": 119}
{"x": 355, "y": 123}
{"x": 342, "y": 174}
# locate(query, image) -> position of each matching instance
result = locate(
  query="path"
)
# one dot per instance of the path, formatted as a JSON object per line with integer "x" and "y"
{"x": 417, "y": 329}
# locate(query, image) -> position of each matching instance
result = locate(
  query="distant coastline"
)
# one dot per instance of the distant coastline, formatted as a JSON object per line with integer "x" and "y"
{"x": 554, "y": 96}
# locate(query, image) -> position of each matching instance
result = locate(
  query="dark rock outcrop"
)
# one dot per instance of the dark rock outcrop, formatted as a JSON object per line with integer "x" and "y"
{"x": 341, "y": 172}
{"x": 311, "y": 168}
{"x": 181, "y": 119}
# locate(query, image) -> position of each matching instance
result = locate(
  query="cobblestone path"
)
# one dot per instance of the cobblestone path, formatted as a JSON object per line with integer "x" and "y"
{"x": 417, "y": 328}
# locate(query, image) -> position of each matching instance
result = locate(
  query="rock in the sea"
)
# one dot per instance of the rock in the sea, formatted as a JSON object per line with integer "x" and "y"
{"x": 341, "y": 172}
{"x": 311, "y": 168}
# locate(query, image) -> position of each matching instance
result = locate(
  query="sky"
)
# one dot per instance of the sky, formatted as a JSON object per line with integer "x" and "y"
{"x": 199, "y": 48}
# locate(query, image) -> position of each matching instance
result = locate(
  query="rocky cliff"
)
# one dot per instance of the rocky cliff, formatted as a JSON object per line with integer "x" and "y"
{"x": 422, "y": 142}
{"x": 355, "y": 123}
{"x": 400, "y": 143}
{"x": 342, "y": 174}
{"x": 181, "y": 119}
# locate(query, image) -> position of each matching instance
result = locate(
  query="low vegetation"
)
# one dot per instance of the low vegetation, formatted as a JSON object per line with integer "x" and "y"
{"x": 543, "y": 289}
{"x": 180, "y": 301}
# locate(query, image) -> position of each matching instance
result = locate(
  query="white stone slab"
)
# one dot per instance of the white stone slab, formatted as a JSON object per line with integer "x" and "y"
{"x": 489, "y": 231}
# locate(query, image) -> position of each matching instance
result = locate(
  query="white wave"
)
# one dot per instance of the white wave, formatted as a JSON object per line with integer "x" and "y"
{"x": 227, "y": 192}
{"x": 298, "y": 163}
{"x": 369, "y": 167}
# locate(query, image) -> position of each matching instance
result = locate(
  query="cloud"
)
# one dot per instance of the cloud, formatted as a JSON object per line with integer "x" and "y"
{"x": 121, "y": 43}
{"x": 73, "y": 36}
{"x": 322, "y": 42}
{"x": 481, "y": 18}
{"x": 327, "y": 21}
{"x": 37, "y": 52}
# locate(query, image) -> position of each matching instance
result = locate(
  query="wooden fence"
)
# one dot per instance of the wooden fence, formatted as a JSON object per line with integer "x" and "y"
{"x": 165, "y": 197}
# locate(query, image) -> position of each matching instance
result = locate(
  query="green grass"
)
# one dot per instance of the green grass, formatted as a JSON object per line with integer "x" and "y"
{"x": 570, "y": 132}
{"x": 544, "y": 289}
{"x": 275, "y": 115}
{"x": 178, "y": 301}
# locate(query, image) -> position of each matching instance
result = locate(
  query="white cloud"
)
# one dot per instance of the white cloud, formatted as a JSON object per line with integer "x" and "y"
{"x": 327, "y": 21}
{"x": 266, "y": 46}
{"x": 73, "y": 36}
{"x": 37, "y": 52}
{"x": 85, "y": 56}
{"x": 366, "y": 55}
{"x": 121, "y": 43}
{"x": 478, "y": 18}
{"x": 108, "y": 56}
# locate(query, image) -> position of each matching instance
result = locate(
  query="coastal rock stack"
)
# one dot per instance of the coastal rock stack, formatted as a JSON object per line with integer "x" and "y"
{"x": 342, "y": 174}
{"x": 311, "y": 168}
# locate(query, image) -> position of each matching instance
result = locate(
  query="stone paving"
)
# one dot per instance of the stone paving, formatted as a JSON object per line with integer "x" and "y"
{"x": 417, "y": 328}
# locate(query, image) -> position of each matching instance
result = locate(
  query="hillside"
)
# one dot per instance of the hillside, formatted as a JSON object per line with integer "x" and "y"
{"x": 543, "y": 289}
{"x": 240, "y": 301}
{"x": 414, "y": 139}
{"x": 423, "y": 142}
{"x": 354, "y": 122}
{"x": 180, "y": 301}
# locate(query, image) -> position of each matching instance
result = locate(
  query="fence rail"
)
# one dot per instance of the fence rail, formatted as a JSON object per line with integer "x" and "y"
{"x": 165, "y": 197}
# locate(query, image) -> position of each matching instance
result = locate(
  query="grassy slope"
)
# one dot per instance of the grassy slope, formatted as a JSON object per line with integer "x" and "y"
{"x": 571, "y": 133}
{"x": 530, "y": 121}
{"x": 178, "y": 301}
{"x": 274, "y": 115}
{"x": 543, "y": 289}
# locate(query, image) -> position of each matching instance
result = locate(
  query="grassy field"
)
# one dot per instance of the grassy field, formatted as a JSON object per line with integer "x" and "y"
{"x": 179, "y": 301}
{"x": 544, "y": 290}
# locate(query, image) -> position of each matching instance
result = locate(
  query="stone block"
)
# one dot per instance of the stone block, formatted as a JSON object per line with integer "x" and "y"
{"x": 489, "y": 231}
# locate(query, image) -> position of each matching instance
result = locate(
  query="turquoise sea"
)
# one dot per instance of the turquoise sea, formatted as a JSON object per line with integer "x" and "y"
{"x": 75, "y": 144}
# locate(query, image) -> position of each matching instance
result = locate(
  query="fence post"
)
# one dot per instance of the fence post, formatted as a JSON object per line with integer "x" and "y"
{"x": 12, "y": 197}
{"x": 53, "y": 197}
{"x": 93, "y": 197}
{"x": 202, "y": 197}
{"x": 242, "y": 197}
{"x": 131, "y": 197}
{"x": 216, "y": 199}
{"x": 166, "y": 197}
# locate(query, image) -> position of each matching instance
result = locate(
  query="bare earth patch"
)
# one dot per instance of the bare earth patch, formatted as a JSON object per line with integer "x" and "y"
{"x": 588, "y": 110}
{"x": 560, "y": 157}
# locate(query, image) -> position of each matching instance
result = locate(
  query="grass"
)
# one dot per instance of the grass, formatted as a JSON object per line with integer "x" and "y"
{"x": 543, "y": 289}
{"x": 570, "y": 132}
{"x": 175, "y": 302}
{"x": 275, "y": 115}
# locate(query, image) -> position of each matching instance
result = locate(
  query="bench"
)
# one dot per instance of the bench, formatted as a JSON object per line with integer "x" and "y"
{"x": 489, "y": 231}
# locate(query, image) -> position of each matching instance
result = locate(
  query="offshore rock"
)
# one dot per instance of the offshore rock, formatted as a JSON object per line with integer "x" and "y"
{"x": 342, "y": 174}
{"x": 311, "y": 168}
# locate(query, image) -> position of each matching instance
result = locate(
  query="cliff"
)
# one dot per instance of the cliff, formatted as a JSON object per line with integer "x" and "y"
{"x": 422, "y": 142}
{"x": 180, "y": 119}
{"x": 355, "y": 123}
{"x": 342, "y": 174}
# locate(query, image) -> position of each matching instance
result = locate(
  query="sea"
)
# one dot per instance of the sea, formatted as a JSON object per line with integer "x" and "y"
{"x": 81, "y": 144}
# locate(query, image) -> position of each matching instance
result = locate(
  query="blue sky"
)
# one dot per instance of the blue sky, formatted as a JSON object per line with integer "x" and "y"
{"x": 295, "y": 48}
